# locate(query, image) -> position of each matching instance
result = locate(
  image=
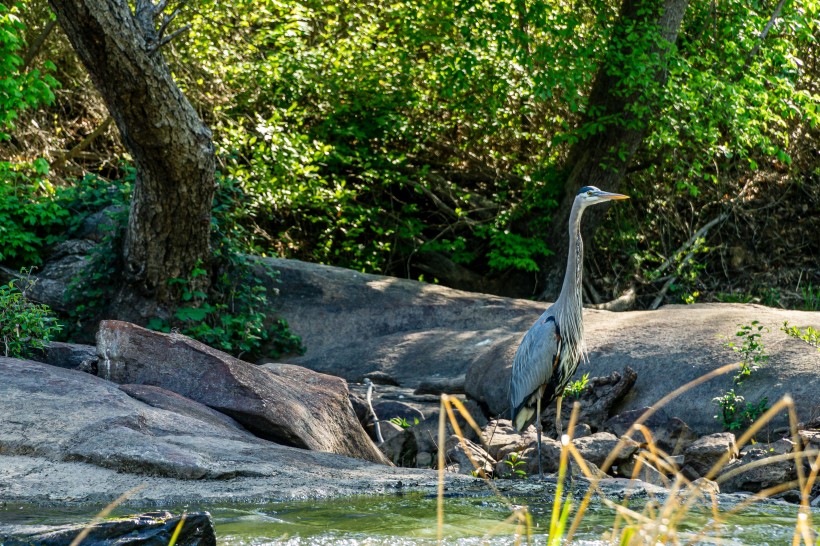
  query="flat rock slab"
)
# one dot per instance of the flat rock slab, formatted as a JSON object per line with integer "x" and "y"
{"x": 67, "y": 436}
{"x": 287, "y": 404}
{"x": 354, "y": 324}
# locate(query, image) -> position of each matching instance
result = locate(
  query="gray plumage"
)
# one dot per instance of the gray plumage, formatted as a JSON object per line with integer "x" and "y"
{"x": 553, "y": 347}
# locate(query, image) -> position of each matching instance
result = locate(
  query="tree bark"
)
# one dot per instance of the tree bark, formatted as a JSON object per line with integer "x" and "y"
{"x": 169, "y": 223}
{"x": 602, "y": 159}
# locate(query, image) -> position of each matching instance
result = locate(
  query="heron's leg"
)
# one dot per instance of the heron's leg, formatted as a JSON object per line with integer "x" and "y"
{"x": 558, "y": 427}
{"x": 538, "y": 427}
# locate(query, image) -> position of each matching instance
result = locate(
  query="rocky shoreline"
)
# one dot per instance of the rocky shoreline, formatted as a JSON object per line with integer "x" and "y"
{"x": 190, "y": 424}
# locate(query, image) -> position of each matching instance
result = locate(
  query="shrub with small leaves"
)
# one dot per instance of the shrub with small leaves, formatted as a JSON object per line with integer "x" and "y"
{"x": 25, "y": 326}
{"x": 735, "y": 411}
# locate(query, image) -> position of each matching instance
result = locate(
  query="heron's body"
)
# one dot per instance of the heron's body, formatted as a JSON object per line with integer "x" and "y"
{"x": 552, "y": 348}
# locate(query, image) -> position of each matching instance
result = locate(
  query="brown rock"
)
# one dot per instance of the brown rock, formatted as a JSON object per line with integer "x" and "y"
{"x": 670, "y": 434}
{"x": 761, "y": 477}
{"x": 550, "y": 456}
{"x": 597, "y": 447}
{"x": 283, "y": 403}
{"x": 707, "y": 451}
{"x": 164, "y": 399}
{"x": 457, "y": 452}
{"x": 501, "y": 438}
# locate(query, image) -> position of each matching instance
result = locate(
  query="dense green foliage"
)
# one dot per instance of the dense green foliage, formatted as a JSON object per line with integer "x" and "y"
{"x": 25, "y": 326}
{"x": 430, "y": 140}
{"x": 19, "y": 89}
{"x": 366, "y": 137}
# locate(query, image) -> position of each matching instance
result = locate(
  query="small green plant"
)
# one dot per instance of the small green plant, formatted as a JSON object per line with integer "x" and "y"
{"x": 516, "y": 462}
{"x": 576, "y": 388}
{"x": 735, "y": 412}
{"x": 810, "y": 335}
{"x": 751, "y": 350}
{"x": 25, "y": 327}
{"x": 404, "y": 423}
{"x": 811, "y": 297}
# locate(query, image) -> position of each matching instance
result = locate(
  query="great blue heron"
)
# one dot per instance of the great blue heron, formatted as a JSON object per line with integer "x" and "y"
{"x": 552, "y": 348}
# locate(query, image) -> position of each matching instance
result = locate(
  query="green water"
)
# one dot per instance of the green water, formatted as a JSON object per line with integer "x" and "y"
{"x": 411, "y": 520}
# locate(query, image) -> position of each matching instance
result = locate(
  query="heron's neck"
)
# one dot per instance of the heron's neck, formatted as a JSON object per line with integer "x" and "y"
{"x": 569, "y": 300}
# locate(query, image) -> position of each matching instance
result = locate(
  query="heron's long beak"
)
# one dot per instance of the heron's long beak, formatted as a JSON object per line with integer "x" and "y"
{"x": 607, "y": 195}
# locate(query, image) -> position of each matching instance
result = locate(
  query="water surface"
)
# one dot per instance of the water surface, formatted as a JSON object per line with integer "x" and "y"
{"x": 410, "y": 520}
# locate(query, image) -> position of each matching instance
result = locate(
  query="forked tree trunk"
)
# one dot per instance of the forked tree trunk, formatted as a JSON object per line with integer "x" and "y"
{"x": 601, "y": 160}
{"x": 169, "y": 222}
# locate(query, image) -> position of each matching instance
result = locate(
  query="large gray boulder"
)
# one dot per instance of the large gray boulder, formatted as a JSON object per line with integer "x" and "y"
{"x": 354, "y": 324}
{"x": 67, "y": 436}
{"x": 286, "y": 404}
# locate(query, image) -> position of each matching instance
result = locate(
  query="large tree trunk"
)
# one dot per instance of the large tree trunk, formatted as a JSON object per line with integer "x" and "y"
{"x": 601, "y": 160}
{"x": 169, "y": 223}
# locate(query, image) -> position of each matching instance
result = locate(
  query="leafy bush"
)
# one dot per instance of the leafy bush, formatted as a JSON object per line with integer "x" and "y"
{"x": 24, "y": 326}
{"x": 18, "y": 90}
{"x": 31, "y": 217}
{"x": 232, "y": 315}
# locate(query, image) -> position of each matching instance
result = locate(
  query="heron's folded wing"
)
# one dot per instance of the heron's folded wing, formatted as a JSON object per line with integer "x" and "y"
{"x": 532, "y": 365}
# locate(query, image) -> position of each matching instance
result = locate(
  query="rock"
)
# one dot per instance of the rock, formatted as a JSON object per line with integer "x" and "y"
{"x": 792, "y": 496}
{"x": 581, "y": 430}
{"x": 67, "y": 260}
{"x": 707, "y": 487}
{"x": 424, "y": 460}
{"x": 761, "y": 477}
{"x": 597, "y": 447}
{"x": 70, "y": 355}
{"x": 426, "y": 432}
{"x": 646, "y": 472}
{"x": 400, "y": 448}
{"x": 432, "y": 331}
{"x": 810, "y": 439}
{"x": 379, "y": 378}
{"x": 389, "y": 430}
{"x": 498, "y": 434}
{"x": 461, "y": 452}
{"x": 160, "y": 398}
{"x": 550, "y": 456}
{"x": 709, "y": 450}
{"x": 670, "y": 434}
{"x": 593, "y": 471}
{"x": 150, "y": 528}
{"x": 601, "y": 395}
{"x": 101, "y": 224}
{"x": 280, "y": 402}
{"x": 390, "y": 409}
{"x": 70, "y": 437}
{"x": 449, "y": 385}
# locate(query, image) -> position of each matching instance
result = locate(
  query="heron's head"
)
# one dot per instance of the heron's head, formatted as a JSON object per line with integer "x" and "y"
{"x": 590, "y": 195}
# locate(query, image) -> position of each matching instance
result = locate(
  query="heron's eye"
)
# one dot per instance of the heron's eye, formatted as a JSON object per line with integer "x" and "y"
{"x": 590, "y": 193}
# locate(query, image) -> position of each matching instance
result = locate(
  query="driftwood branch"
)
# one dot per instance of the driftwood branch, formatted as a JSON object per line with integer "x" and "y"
{"x": 37, "y": 44}
{"x": 84, "y": 143}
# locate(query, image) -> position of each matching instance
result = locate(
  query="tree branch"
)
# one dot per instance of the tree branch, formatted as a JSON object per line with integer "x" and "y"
{"x": 763, "y": 33}
{"x": 37, "y": 44}
{"x": 84, "y": 143}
